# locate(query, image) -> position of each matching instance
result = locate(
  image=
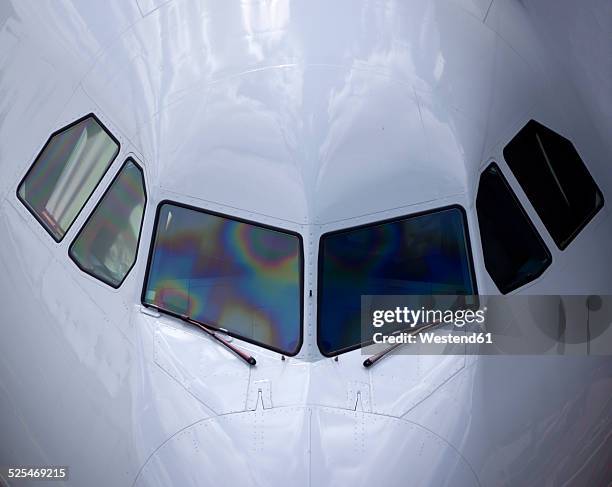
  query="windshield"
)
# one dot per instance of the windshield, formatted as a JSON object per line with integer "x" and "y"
{"x": 418, "y": 255}
{"x": 228, "y": 274}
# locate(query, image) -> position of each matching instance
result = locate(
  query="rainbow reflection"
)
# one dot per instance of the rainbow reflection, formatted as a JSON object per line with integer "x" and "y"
{"x": 228, "y": 274}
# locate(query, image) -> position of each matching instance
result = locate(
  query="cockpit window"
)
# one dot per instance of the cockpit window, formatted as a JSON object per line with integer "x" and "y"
{"x": 228, "y": 274}
{"x": 422, "y": 254}
{"x": 554, "y": 178}
{"x": 107, "y": 244}
{"x": 514, "y": 253}
{"x": 66, "y": 173}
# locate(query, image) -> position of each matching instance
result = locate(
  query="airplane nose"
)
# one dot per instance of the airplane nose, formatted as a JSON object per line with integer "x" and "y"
{"x": 305, "y": 446}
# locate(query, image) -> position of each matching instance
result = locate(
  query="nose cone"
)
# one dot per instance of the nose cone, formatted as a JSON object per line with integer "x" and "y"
{"x": 305, "y": 446}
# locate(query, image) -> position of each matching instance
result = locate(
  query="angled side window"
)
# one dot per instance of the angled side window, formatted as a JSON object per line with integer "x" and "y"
{"x": 554, "y": 178}
{"x": 66, "y": 173}
{"x": 514, "y": 252}
{"x": 107, "y": 244}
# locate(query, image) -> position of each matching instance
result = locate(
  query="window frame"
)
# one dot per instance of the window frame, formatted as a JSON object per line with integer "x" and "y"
{"x": 561, "y": 245}
{"x": 92, "y": 213}
{"x": 31, "y": 168}
{"x": 530, "y": 223}
{"x": 187, "y": 206}
{"x": 469, "y": 254}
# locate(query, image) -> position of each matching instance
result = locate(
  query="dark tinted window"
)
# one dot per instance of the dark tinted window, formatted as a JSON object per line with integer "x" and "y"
{"x": 66, "y": 173}
{"x": 107, "y": 244}
{"x": 554, "y": 178}
{"x": 228, "y": 274}
{"x": 514, "y": 252}
{"x": 418, "y": 255}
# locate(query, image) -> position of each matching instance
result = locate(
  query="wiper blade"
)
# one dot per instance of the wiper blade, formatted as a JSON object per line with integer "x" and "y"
{"x": 375, "y": 358}
{"x": 249, "y": 359}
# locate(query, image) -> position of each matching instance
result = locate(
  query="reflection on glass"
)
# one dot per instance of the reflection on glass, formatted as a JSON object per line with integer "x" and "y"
{"x": 107, "y": 245}
{"x": 227, "y": 274}
{"x": 66, "y": 173}
{"x": 555, "y": 179}
{"x": 420, "y": 255}
{"x": 514, "y": 253}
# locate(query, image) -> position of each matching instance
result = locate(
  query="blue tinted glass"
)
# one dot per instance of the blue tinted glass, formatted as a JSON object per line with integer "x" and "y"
{"x": 419, "y": 255}
{"x": 228, "y": 274}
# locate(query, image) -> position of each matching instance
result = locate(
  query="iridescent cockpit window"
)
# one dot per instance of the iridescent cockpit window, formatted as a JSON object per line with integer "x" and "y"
{"x": 227, "y": 274}
{"x": 66, "y": 173}
{"x": 418, "y": 255}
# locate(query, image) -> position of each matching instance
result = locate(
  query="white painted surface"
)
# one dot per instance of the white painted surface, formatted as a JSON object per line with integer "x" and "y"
{"x": 311, "y": 116}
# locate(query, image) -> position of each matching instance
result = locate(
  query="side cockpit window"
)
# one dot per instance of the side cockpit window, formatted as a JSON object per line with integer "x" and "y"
{"x": 555, "y": 179}
{"x": 66, "y": 173}
{"x": 107, "y": 244}
{"x": 514, "y": 253}
{"x": 227, "y": 274}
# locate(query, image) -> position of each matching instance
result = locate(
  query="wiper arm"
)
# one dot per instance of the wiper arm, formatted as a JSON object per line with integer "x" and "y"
{"x": 375, "y": 358}
{"x": 249, "y": 359}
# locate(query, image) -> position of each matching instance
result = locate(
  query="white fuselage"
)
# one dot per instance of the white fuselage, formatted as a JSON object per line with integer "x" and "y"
{"x": 310, "y": 116}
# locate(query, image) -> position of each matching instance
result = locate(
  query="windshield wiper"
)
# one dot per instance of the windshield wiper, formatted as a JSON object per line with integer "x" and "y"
{"x": 249, "y": 359}
{"x": 375, "y": 358}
